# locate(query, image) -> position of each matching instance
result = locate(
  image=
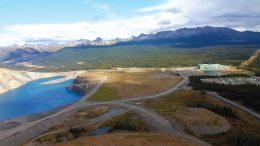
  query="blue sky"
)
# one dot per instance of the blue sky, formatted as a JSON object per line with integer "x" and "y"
{"x": 23, "y": 21}
{"x": 68, "y": 11}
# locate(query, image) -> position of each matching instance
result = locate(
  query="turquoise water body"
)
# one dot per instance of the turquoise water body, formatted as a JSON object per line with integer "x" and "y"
{"x": 35, "y": 97}
{"x": 103, "y": 130}
{"x": 100, "y": 130}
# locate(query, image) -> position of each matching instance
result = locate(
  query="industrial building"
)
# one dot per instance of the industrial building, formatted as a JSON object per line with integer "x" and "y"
{"x": 210, "y": 69}
{"x": 209, "y": 66}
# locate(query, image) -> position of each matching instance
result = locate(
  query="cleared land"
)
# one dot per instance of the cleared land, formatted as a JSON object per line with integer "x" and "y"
{"x": 198, "y": 121}
{"x": 196, "y": 113}
{"x": 254, "y": 56}
{"x": 94, "y": 75}
{"x": 201, "y": 121}
{"x": 105, "y": 94}
{"x": 128, "y": 139}
{"x": 210, "y": 118}
{"x": 28, "y": 66}
{"x": 85, "y": 119}
{"x": 81, "y": 117}
{"x": 135, "y": 82}
{"x": 126, "y": 129}
{"x": 255, "y": 66}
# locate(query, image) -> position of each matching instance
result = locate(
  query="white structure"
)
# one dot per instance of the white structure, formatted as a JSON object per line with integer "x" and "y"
{"x": 210, "y": 66}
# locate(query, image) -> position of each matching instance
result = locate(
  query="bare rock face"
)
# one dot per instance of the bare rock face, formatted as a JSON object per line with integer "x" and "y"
{"x": 79, "y": 85}
{"x": 80, "y": 80}
{"x": 10, "y": 79}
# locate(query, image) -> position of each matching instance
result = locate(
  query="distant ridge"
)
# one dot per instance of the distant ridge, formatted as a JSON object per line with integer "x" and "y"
{"x": 28, "y": 51}
{"x": 184, "y": 37}
{"x": 199, "y": 36}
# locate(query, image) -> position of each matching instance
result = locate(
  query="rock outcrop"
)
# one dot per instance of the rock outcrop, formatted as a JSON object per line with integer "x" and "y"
{"x": 80, "y": 85}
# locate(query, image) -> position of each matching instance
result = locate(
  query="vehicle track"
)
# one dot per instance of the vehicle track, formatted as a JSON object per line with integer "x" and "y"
{"x": 24, "y": 133}
{"x": 236, "y": 105}
{"x": 252, "y": 58}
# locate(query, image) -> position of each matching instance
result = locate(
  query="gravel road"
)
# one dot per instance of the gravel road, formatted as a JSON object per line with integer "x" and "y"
{"x": 24, "y": 133}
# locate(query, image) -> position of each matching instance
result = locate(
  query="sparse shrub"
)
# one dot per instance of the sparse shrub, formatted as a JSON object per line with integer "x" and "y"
{"x": 257, "y": 74}
{"x": 244, "y": 139}
{"x": 58, "y": 138}
{"x": 222, "y": 110}
{"x": 76, "y": 132}
{"x": 247, "y": 94}
{"x": 202, "y": 92}
{"x": 126, "y": 122}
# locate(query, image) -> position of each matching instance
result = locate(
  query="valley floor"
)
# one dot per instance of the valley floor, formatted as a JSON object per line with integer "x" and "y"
{"x": 139, "y": 107}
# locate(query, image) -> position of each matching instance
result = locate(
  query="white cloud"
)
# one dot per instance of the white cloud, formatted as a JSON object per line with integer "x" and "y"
{"x": 158, "y": 7}
{"x": 6, "y": 39}
{"x": 232, "y": 13}
{"x": 101, "y": 6}
{"x": 237, "y": 14}
{"x": 123, "y": 28}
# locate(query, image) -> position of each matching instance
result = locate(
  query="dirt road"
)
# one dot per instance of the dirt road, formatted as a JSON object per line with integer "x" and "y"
{"x": 26, "y": 132}
{"x": 236, "y": 105}
{"x": 254, "y": 56}
{"x": 163, "y": 124}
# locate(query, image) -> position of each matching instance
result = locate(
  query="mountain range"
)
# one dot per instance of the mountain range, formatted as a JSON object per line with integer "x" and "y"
{"x": 201, "y": 36}
{"x": 184, "y": 37}
{"x": 26, "y": 52}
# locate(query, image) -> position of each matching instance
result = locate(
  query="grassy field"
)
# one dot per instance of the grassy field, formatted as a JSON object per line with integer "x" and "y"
{"x": 105, "y": 93}
{"x": 128, "y": 139}
{"x": 81, "y": 117}
{"x": 142, "y": 56}
{"x": 77, "y": 125}
{"x": 93, "y": 76}
{"x": 135, "y": 82}
{"x": 127, "y": 121}
{"x": 79, "y": 120}
{"x": 195, "y": 120}
{"x": 244, "y": 129}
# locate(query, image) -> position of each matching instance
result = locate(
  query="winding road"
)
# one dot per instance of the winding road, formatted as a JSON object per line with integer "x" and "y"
{"x": 163, "y": 124}
{"x": 234, "y": 104}
{"x": 90, "y": 122}
{"x": 26, "y": 132}
{"x": 17, "y": 133}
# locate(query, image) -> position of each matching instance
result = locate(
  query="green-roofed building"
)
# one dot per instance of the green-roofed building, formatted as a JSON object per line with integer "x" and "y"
{"x": 210, "y": 66}
{"x": 210, "y": 69}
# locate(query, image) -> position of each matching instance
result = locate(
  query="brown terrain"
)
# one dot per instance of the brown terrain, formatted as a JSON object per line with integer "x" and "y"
{"x": 198, "y": 121}
{"x": 128, "y": 139}
{"x": 140, "y": 82}
{"x": 254, "y": 56}
{"x": 202, "y": 121}
{"x": 160, "y": 107}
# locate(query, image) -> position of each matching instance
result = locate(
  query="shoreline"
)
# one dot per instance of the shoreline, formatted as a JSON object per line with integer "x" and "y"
{"x": 11, "y": 79}
{"x": 71, "y": 75}
{"x": 36, "y": 127}
{"x": 39, "y": 115}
